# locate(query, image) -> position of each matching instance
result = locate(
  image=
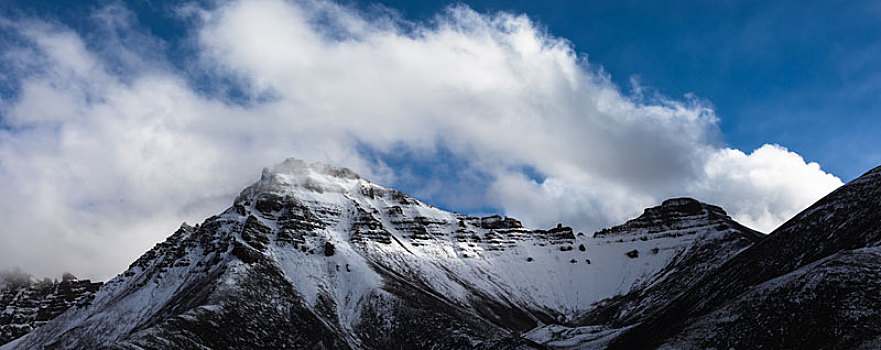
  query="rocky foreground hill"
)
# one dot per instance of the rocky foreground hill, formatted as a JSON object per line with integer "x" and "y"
{"x": 815, "y": 282}
{"x": 313, "y": 256}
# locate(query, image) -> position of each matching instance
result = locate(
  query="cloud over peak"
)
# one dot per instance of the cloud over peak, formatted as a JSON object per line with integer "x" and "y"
{"x": 103, "y": 156}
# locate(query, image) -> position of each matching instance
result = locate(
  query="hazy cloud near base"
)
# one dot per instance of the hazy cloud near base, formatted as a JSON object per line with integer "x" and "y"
{"x": 105, "y": 147}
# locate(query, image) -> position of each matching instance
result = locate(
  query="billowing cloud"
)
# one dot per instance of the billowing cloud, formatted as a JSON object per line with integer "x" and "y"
{"x": 761, "y": 189}
{"x": 103, "y": 151}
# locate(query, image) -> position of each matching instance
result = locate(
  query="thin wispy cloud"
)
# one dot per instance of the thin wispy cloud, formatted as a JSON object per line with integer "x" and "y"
{"x": 103, "y": 151}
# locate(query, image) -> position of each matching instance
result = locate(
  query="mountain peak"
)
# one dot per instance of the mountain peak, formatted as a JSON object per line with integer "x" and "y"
{"x": 681, "y": 202}
{"x": 295, "y": 175}
{"x": 681, "y": 213}
{"x": 676, "y": 208}
{"x": 687, "y": 206}
{"x": 298, "y": 167}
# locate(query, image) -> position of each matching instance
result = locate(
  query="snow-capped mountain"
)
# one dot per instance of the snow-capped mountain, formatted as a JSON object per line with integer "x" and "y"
{"x": 315, "y": 256}
{"x": 27, "y": 303}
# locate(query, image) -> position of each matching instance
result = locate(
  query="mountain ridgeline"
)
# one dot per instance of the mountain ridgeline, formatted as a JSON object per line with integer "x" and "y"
{"x": 312, "y": 256}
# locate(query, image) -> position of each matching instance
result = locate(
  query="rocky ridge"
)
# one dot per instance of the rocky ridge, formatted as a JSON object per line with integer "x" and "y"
{"x": 27, "y": 303}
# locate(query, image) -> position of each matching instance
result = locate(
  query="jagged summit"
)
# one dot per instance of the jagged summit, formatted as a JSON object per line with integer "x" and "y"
{"x": 298, "y": 167}
{"x": 319, "y": 184}
{"x": 293, "y": 174}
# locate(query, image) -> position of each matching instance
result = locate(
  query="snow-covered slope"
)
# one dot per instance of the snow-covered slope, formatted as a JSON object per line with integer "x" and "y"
{"x": 713, "y": 237}
{"x": 314, "y": 256}
{"x": 717, "y": 239}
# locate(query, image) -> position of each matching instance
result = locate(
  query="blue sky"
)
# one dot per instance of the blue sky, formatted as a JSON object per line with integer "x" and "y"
{"x": 122, "y": 119}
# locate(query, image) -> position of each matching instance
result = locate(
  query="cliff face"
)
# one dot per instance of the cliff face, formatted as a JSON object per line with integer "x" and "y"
{"x": 26, "y": 304}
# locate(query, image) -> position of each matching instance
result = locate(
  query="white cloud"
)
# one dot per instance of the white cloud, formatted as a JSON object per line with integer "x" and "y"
{"x": 97, "y": 166}
{"x": 763, "y": 188}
